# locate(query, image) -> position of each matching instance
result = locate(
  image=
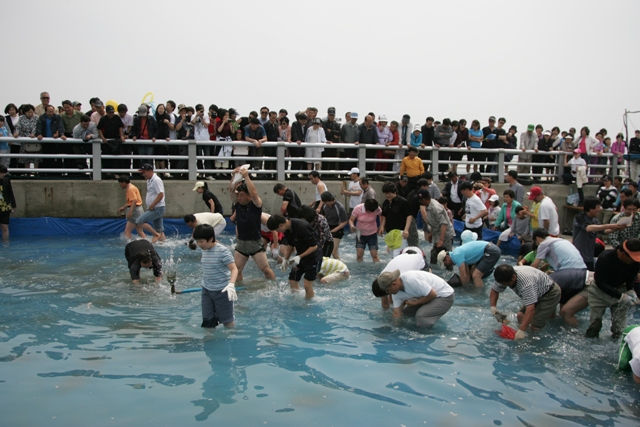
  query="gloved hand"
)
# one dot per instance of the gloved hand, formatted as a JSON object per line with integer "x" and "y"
{"x": 498, "y": 315}
{"x": 628, "y": 299}
{"x": 294, "y": 261}
{"x": 520, "y": 334}
{"x": 230, "y": 289}
{"x": 284, "y": 266}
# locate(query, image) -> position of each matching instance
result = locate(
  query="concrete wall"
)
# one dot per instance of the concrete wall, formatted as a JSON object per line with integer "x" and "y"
{"x": 101, "y": 199}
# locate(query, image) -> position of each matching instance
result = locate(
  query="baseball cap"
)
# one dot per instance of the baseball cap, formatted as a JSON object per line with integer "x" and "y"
{"x": 146, "y": 167}
{"x": 142, "y": 110}
{"x": 606, "y": 178}
{"x": 98, "y": 103}
{"x": 546, "y": 132}
{"x": 494, "y": 197}
{"x": 404, "y": 178}
{"x": 354, "y": 115}
{"x": 531, "y": 127}
{"x": 110, "y": 109}
{"x": 492, "y": 118}
{"x": 386, "y": 278}
{"x": 76, "y": 103}
{"x": 199, "y": 184}
{"x": 577, "y": 151}
{"x": 354, "y": 170}
{"x": 331, "y": 110}
{"x": 417, "y": 128}
{"x": 181, "y": 106}
{"x": 382, "y": 118}
{"x": 568, "y": 136}
{"x": 535, "y": 192}
{"x": 423, "y": 193}
{"x": 317, "y": 121}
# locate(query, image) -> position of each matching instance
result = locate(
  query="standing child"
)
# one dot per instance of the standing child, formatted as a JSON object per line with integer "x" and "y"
{"x": 219, "y": 273}
{"x": 494, "y": 210}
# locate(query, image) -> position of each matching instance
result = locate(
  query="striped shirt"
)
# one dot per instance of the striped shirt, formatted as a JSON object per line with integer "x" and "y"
{"x": 330, "y": 265}
{"x": 215, "y": 270}
{"x": 531, "y": 284}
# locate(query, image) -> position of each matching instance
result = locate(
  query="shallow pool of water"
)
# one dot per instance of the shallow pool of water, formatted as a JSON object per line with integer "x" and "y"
{"x": 80, "y": 345}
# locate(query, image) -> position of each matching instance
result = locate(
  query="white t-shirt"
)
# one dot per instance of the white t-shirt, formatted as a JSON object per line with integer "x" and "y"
{"x": 406, "y": 262}
{"x": 548, "y": 211}
{"x": 355, "y": 200}
{"x": 155, "y": 186}
{"x": 472, "y": 208}
{"x": 201, "y": 129}
{"x": 213, "y": 219}
{"x": 172, "y": 119}
{"x": 633, "y": 341}
{"x": 574, "y": 163}
{"x": 454, "y": 192}
{"x": 418, "y": 284}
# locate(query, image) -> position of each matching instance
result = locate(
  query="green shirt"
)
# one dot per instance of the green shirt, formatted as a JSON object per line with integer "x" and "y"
{"x": 70, "y": 122}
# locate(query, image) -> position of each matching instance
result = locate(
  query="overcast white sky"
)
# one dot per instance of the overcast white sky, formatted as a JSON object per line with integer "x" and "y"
{"x": 565, "y": 63}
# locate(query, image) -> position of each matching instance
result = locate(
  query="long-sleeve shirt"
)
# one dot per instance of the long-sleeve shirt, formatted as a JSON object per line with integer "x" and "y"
{"x": 528, "y": 141}
{"x": 611, "y": 273}
{"x": 442, "y": 135}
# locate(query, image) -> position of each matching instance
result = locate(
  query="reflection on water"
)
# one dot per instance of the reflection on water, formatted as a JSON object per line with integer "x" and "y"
{"x": 74, "y": 332}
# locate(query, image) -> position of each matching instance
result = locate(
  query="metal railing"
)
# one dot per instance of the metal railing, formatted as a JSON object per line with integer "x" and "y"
{"x": 365, "y": 159}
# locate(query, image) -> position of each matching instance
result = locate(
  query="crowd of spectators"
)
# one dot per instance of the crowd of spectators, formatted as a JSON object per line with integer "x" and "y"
{"x": 114, "y": 124}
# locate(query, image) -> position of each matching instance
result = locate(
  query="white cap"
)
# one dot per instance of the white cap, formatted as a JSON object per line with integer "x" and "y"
{"x": 468, "y": 236}
{"x": 198, "y": 185}
{"x": 441, "y": 255}
{"x": 382, "y": 118}
{"x": 494, "y": 197}
{"x": 354, "y": 170}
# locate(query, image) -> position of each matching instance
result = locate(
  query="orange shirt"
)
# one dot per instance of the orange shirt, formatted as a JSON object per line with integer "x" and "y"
{"x": 413, "y": 167}
{"x": 133, "y": 196}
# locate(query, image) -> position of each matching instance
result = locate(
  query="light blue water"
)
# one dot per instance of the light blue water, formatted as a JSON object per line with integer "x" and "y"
{"x": 80, "y": 345}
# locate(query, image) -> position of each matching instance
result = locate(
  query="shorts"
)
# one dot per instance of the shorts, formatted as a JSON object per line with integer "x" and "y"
{"x": 156, "y": 218}
{"x": 4, "y": 217}
{"x": 545, "y": 307}
{"x": 249, "y": 248}
{"x": 313, "y": 152}
{"x": 371, "y": 241}
{"x": 137, "y": 212}
{"x": 335, "y": 277}
{"x": 216, "y": 308}
{"x": 308, "y": 268}
{"x": 338, "y": 234}
{"x": 268, "y": 236}
{"x": 490, "y": 258}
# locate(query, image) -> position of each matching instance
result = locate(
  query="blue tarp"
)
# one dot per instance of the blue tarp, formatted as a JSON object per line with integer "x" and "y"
{"x": 47, "y": 226}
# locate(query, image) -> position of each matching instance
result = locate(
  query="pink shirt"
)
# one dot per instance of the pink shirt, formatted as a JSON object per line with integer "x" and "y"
{"x": 367, "y": 221}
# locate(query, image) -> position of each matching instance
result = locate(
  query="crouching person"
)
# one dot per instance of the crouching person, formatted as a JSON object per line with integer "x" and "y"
{"x": 540, "y": 295}
{"x": 333, "y": 271}
{"x": 219, "y": 274}
{"x": 141, "y": 254}
{"x": 417, "y": 293}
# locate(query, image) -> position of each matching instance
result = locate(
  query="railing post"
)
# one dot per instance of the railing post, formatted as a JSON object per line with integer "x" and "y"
{"x": 97, "y": 160}
{"x": 280, "y": 165}
{"x": 500, "y": 167}
{"x": 193, "y": 163}
{"x": 435, "y": 170}
{"x": 362, "y": 157}
{"x": 560, "y": 161}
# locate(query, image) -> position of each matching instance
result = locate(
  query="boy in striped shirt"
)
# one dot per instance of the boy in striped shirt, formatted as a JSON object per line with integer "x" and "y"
{"x": 332, "y": 271}
{"x": 219, "y": 273}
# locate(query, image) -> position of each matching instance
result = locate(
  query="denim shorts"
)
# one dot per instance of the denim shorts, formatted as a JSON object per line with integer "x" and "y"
{"x": 155, "y": 216}
{"x": 371, "y": 240}
{"x": 216, "y": 308}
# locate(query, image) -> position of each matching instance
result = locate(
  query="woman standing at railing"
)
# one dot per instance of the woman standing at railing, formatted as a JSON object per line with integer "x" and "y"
{"x": 11, "y": 121}
{"x": 224, "y": 132}
{"x": 475, "y": 141}
{"x": 618, "y": 148}
{"x": 26, "y": 128}
{"x": 161, "y": 150}
{"x": 384, "y": 139}
{"x": 596, "y": 155}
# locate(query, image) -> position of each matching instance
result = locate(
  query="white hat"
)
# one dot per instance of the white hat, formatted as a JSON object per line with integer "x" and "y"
{"x": 546, "y": 132}
{"x": 417, "y": 127}
{"x": 441, "y": 256}
{"x": 354, "y": 170}
{"x": 198, "y": 185}
{"x": 382, "y": 118}
{"x": 494, "y": 197}
{"x": 468, "y": 236}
